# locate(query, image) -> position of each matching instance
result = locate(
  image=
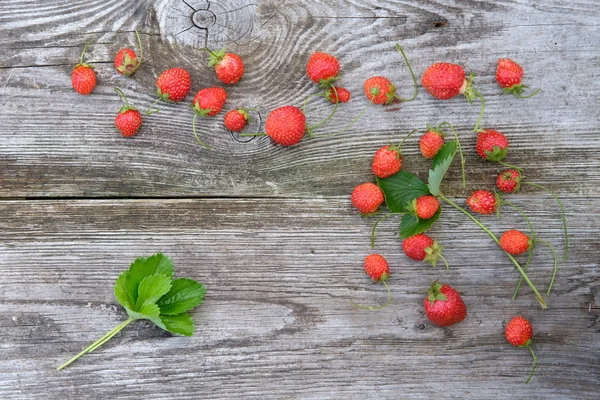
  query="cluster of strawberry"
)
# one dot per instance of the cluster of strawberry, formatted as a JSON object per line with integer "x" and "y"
{"x": 443, "y": 304}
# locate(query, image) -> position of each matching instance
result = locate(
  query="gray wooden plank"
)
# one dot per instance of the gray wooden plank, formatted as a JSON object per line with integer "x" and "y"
{"x": 57, "y": 143}
{"x": 276, "y": 322}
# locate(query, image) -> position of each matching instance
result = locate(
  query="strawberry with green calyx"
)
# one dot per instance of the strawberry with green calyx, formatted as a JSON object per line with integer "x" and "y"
{"x": 129, "y": 119}
{"x": 208, "y": 102}
{"x": 509, "y": 75}
{"x": 126, "y": 61}
{"x": 173, "y": 85}
{"x": 443, "y": 305}
{"x": 423, "y": 248}
{"x": 229, "y": 67}
{"x": 445, "y": 81}
{"x": 367, "y": 198}
{"x": 387, "y": 161}
{"x": 378, "y": 269}
{"x": 519, "y": 333}
{"x": 83, "y": 77}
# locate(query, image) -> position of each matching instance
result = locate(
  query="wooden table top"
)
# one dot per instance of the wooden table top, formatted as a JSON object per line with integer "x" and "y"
{"x": 270, "y": 230}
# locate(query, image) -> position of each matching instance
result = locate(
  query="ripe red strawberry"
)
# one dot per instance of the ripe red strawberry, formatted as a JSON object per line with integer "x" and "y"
{"x": 343, "y": 95}
{"x": 491, "y": 145}
{"x": 129, "y": 119}
{"x": 443, "y": 305}
{"x": 228, "y": 66}
{"x": 173, "y": 84}
{"x": 235, "y": 120}
{"x": 423, "y": 248}
{"x": 208, "y": 102}
{"x": 431, "y": 142}
{"x": 380, "y": 90}
{"x": 286, "y": 125}
{"x": 377, "y": 267}
{"x": 83, "y": 77}
{"x": 367, "y": 198}
{"x": 126, "y": 62}
{"x": 387, "y": 161}
{"x": 444, "y": 81}
{"x": 322, "y": 68}
{"x": 515, "y": 242}
{"x": 519, "y": 333}
{"x": 426, "y": 206}
{"x": 482, "y": 202}
{"x": 509, "y": 181}
{"x": 509, "y": 75}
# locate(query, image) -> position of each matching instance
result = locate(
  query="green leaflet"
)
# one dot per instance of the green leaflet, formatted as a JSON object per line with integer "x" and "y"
{"x": 411, "y": 225}
{"x": 401, "y": 189}
{"x": 441, "y": 163}
{"x": 184, "y": 295}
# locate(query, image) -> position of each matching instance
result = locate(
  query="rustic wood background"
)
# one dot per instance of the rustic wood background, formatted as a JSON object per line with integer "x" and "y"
{"x": 270, "y": 230}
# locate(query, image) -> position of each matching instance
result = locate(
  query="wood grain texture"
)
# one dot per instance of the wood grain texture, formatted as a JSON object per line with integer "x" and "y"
{"x": 270, "y": 230}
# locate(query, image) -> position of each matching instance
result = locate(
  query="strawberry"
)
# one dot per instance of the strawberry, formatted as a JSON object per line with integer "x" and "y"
{"x": 491, "y": 145}
{"x": 387, "y": 161}
{"x": 126, "y": 62}
{"x": 343, "y": 95}
{"x": 426, "y": 206}
{"x": 443, "y": 305}
{"x": 509, "y": 181}
{"x": 444, "y": 81}
{"x": 377, "y": 267}
{"x": 515, "y": 242}
{"x": 509, "y": 75}
{"x": 519, "y": 333}
{"x": 421, "y": 247}
{"x": 367, "y": 198}
{"x": 380, "y": 90}
{"x": 431, "y": 142}
{"x": 228, "y": 66}
{"x": 129, "y": 119}
{"x": 286, "y": 125}
{"x": 173, "y": 84}
{"x": 322, "y": 68}
{"x": 482, "y": 202}
{"x": 208, "y": 102}
{"x": 235, "y": 120}
{"x": 83, "y": 77}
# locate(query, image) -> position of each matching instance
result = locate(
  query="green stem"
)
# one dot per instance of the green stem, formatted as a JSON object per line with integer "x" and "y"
{"x": 480, "y": 112}
{"x": 462, "y": 157}
{"x": 376, "y": 307}
{"x": 529, "y": 257}
{"x": 196, "y": 134}
{"x": 97, "y": 343}
{"x": 563, "y": 216}
{"x": 528, "y": 96}
{"x": 555, "y": 263}
{"x": 414, "y": 78}
{"x": 491, "y": 234}
{"x": 509, "y": 165}
{"x": 335, "y": 107}
{"x": 137, "y": 35}
{"x": 535, "y": 363}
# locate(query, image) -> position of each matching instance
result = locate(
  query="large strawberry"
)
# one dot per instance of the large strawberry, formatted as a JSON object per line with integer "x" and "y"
{"x": 286, "y": 125}
{"x": 322, "y": 68}
{"x": 443, "y": 305}
{"x": 519, "y": 333}
{"x": 208, "y": 102}
{"x": 126, "y": 61}
{"x": 509, "y": 75}
{"x": 378, "y": 269}
{"x": 83, "y": 77}
{"x": 129, "y": 119}
{"x": 367, "y": 198}
{"x": 483, "y": 202}
{"x": 421, "y": 247}
{"x": 229, "y": 67}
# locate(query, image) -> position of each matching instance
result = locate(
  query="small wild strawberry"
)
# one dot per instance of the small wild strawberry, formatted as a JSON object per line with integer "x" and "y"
{"x": 343, "y": 95}
{"x": 423, "y": 248}
{"x": 482, "y": 202}
{"x": 491, "y": 145}
{"x": 519, "y": 333}
{"x": 286, "y": 125}
{"x": 515, "y": 242}
{"x": 387, "y": 161}
{"x": 208, "y": 102}
{"x": 509, "y": 181}
{"x": 509, "y": 75}
{"x": 83, "y": 77}
{"x": 129, "y": 119}
{"x": 126, "y": 61}
{"x": 236, "y": 120}
{"x": 431, "y": 142}
{"x": 367, "y": 198}
{"x": 322, "y": 68}
{"x": 378, "y": 269}
{"x": 443, "y": 305}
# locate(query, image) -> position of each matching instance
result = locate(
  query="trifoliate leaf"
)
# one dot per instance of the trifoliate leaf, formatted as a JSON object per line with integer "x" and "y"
{"x": 180, "y": 323}
{"x": 411, "y": 225}
{"x": 441, "y": 163}
{"x": 184, "y": 295}
{"x": 401, "y": 189}
{"x": 143, "y": 267}
{"x": 151, "y": 289}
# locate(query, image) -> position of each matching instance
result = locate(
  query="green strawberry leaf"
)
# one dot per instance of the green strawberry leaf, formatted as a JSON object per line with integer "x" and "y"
{"x": 184, "y": 295}
{"x": 151, "y": 289}
{"x": 143, "y": 267}
{"x": 411, "y": 225}
{"x": 180, "y": 323}
{"x": 401, "y": 189}
{"x": 441, "y": 163}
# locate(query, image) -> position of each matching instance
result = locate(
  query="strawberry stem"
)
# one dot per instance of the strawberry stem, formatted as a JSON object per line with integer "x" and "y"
{"x": 462, "y": 157}
{"x": 109, "y": 335}
{"x": 387, "y": 303}
{"x": 414, "y": 78}
{"x": 555, "y": 263}
{"x": 491, "y": 234}
{"x": 535, "y": 363}
{"x": 562, "y": 211}
{"x": 196, "y": 134}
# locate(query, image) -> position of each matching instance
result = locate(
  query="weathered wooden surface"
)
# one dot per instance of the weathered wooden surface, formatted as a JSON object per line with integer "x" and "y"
{"x": 269, "y": 230}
